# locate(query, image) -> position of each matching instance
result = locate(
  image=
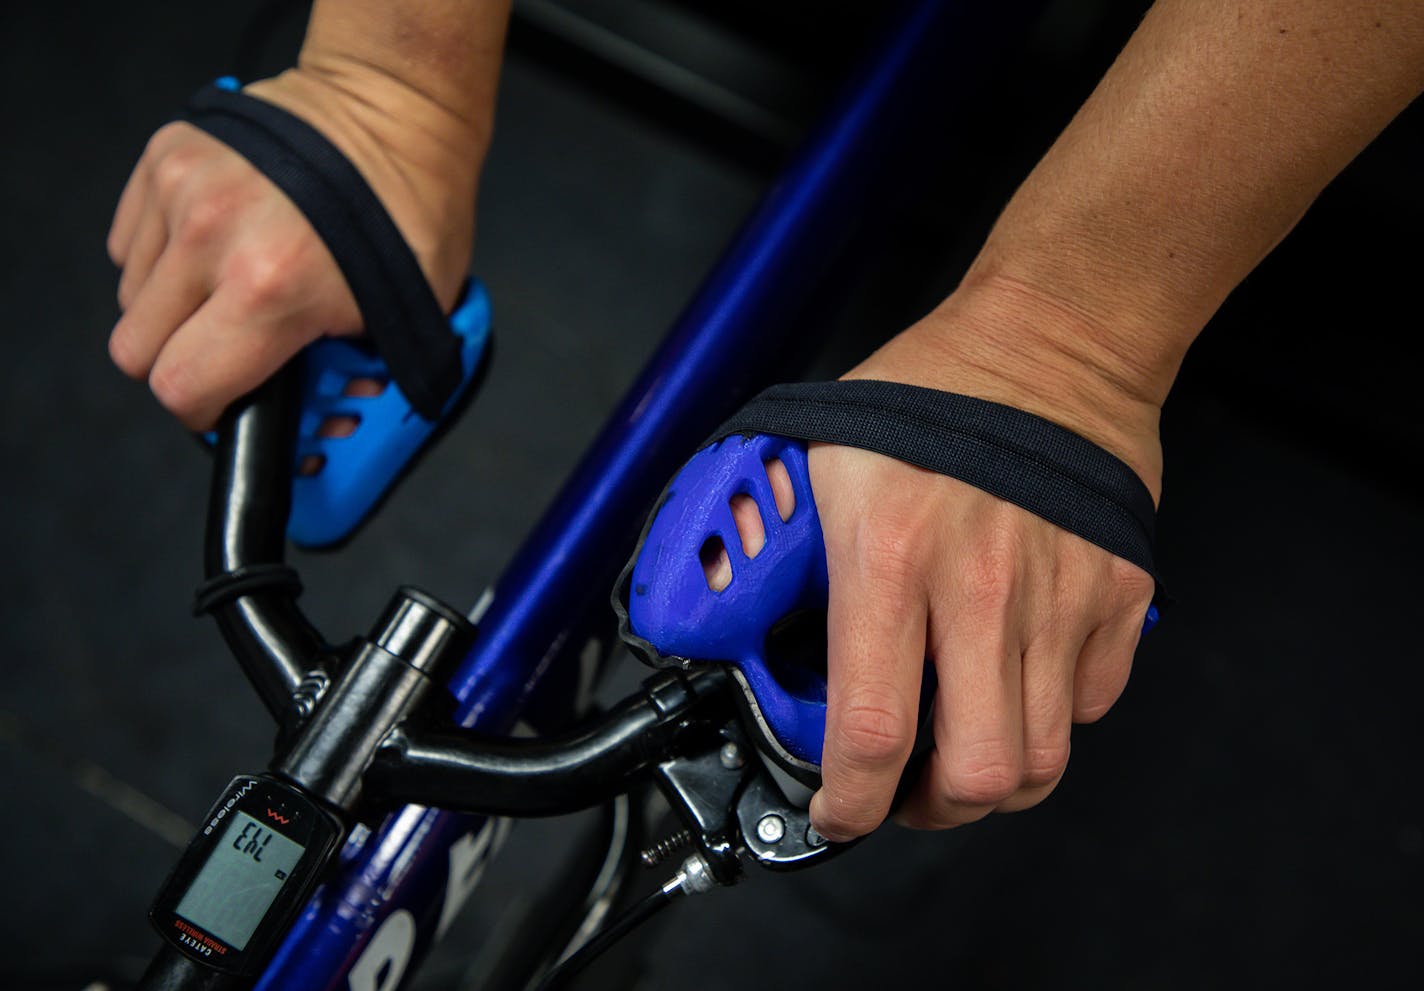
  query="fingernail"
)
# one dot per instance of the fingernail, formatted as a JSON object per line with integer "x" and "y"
{"x": 829, "y": 832}
{"x": 832, "y": 835}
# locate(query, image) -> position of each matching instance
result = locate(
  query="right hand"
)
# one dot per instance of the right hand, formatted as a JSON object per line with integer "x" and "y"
{"x": 1030, "y": 627}
{"x": 223, "y": 280}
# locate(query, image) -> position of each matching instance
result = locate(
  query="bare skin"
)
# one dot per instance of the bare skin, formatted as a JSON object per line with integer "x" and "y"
{"x": 224, "y": 280}
{"x": 1206, "y": 141}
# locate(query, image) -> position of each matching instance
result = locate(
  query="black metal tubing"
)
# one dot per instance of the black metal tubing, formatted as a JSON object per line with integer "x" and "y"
{"x": 172, "y": 971}
{"x": 466, "y": 772}
{"x": 377, "y": 688}
{"x": 248, "y": 504}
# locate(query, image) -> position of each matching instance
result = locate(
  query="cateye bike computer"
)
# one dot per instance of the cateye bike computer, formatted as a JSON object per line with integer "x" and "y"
{"x": 262, "y": 848}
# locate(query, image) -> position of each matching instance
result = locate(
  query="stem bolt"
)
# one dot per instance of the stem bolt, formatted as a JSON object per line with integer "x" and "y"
{"x": 731, "y": 756}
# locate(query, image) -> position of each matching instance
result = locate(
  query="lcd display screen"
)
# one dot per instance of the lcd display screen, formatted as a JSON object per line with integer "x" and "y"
{"x": 237, "y": 885}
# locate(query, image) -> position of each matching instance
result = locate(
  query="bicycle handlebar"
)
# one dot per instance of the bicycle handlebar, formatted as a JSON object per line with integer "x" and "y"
{"x": 248, "y": 589}
{"x": 543, "y": 777}
{"x": 252, "y": 594}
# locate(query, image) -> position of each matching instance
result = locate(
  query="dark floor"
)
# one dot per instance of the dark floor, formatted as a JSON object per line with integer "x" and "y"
{"x": 1249, "y": 814}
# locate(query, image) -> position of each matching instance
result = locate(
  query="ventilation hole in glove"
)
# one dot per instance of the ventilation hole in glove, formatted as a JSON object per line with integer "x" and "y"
{"x": 337, "y": 427}
{"x": 716, "y": 565}
{"x": 364, "y": 388}
{"x": 311, "y": 464}
{"x": 780, "y": 480}
{"x": 750, "y": 527}
{"x": 796, "y": 654}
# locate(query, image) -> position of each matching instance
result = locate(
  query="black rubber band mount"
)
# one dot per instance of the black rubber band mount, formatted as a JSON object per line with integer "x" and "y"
{"x": 229, "y": 586}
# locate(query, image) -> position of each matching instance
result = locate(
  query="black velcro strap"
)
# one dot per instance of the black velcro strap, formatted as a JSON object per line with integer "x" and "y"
{"x": 1017, "y": 456}
{"x": 232, "y": 585}
{"x": 398, "y": 307}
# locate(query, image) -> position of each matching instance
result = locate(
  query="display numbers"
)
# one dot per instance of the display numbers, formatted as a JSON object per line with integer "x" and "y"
{"x": 252, "y": 840}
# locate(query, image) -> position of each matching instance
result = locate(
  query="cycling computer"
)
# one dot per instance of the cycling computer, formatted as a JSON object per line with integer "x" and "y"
{"x": 243, "y": 878}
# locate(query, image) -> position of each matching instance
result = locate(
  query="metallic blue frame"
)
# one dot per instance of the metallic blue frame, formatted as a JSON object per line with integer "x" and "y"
{"x": 400, "y": 885}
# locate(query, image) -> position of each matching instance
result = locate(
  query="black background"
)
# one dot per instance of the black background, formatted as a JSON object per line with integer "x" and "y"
{"x": 1250, "y": 811}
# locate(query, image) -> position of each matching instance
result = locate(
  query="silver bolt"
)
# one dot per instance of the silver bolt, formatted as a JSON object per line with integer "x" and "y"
{"x": 731, "y": 755}
{"x": 771, "y": 828}
{"x": 814, "y": 838}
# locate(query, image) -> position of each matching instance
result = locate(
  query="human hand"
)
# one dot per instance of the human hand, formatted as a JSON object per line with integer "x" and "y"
{"x": 1029, "y": 627}
{"x": 223, "y": 280}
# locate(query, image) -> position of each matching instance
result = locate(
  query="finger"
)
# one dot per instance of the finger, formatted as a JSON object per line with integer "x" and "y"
{"x": 148, "y": 243}
{"x": 1106, "y": 658}
{"x": 979, "y": 738}
{"x": 172, "y": 293}
{"x": 222, "y": 352}
{"x": 876, "y": 638}
{"x": 1103, "y": 668}
{"x": 127, "y": 213}
{"x": 178, "y": 189}
{"x": 1048, "y": 670}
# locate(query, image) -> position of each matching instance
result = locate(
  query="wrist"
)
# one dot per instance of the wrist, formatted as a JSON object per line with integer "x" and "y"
{"x": 419, "y": 159}
{"x": 1137, "y": 289}
{"x": 1009, "y": 342}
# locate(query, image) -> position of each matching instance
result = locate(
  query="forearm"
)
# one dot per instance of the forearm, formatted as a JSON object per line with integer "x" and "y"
{"x": 444, "y": 52}
{"x": 1205, "y": 142}
{"x": 1212, "y": 133}
{"x": 406, "y": 89}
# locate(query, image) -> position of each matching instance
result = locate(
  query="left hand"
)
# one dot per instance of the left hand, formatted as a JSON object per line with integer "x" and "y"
{"x": 223, "y": 277}
{"x": 1030, "y": 628}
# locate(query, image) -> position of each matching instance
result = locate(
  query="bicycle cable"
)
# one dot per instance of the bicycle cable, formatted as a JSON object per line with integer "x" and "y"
{"x": 570, "y": 966}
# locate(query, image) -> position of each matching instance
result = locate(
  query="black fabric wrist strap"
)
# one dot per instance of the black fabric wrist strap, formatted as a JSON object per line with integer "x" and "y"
{"x": 1017, "y": 456}
{"x": 399, "y": 310}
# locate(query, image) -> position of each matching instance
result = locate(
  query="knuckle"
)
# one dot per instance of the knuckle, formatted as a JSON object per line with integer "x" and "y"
{"x": 891, "y": 548}
{"x": 986, "y": 775}
{"x": 988, "y": 593}
{"x": 1025, "y": 798}
{"x": 1098, "y": 692}
{"x": 1094, "y": 705}
{"x": 202, "y": 220}
{"x": 122, "y": 355}
{"x": 172, "y": 386}
{"x": 163, "y": 138}
{"x": 262, "y": 278}
{"x": 172, "y": 170}
{"x": 874, "y": 732}
{"x": 990, "y": 574}
{"x": 1044, "y": 765}
{"x": 1095, "y": 698}
{"x": 1129, "y": 583}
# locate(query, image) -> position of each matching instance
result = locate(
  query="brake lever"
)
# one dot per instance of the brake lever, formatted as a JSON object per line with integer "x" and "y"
{"x": 735, "y": 809}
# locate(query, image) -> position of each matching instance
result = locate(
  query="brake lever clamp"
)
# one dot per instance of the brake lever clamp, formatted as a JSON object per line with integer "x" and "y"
{"x": 733, "y": 807}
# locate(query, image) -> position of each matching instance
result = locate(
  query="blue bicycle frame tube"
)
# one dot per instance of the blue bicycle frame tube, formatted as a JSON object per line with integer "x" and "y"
{"x": 399, "y": 886}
